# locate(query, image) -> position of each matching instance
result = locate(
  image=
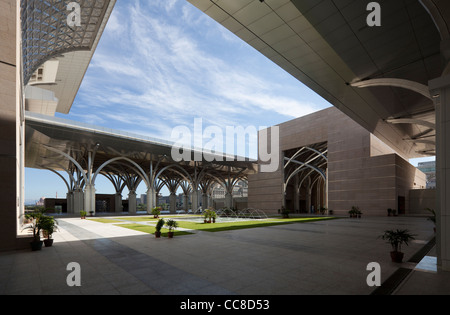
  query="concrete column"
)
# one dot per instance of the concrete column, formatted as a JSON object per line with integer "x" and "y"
{"x": 151, "y": 199}
{"x": 228, "y": 200}
{"x": 118, "y": 202}
{"x": 132, "y": 206}
{"x": 69, "y": 197}
{"x": 11, "y": 170}
{"x": 308, "y": 198}
{"x": 326, "y": 191}
{"x": 440, "y": 91}
{"x": 204, "y": 201}
{"x": 89, "y": 199}
{"x": 194, "y": 200}
{"x": 78, "y": 201}
{"x": 172, "y": 202}
{"x": 210, "y": 201}
{"x": 186, "y": 202}
{"x": 296, "y": 194}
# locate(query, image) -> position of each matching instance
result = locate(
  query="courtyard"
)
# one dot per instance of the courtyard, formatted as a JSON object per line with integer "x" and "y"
{"x": 294, "y": 258}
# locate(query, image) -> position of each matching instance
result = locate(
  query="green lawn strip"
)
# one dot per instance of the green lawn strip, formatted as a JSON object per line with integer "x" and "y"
{"x": 150, "y": 229}
{"x": 227, "y": 226}
{"x": 151, "y": 218}
{"x": 104, "y": 220}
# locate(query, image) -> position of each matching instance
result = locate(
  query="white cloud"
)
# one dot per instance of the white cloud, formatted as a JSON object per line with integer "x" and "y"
{"x": 160, "y": 71}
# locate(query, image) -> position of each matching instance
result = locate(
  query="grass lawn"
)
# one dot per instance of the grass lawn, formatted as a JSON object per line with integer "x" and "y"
{"x": 209, "y": 227}
{"x": 104, "y": 220}
{"x": 226, "y": 226}
{"x": 150, "y": 229}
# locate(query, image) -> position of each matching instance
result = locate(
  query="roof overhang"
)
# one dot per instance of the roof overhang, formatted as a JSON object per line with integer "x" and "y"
{"x": 372, "y": 74}
{"x": 49, "y": 138}
{"x": 48, "y": 38}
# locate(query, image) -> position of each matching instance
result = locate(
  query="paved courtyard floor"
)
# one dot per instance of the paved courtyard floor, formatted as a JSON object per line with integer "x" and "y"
{"x": 327, "y": 257}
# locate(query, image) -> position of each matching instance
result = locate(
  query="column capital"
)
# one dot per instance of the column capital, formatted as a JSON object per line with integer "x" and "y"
{"x": 438, "y": 83}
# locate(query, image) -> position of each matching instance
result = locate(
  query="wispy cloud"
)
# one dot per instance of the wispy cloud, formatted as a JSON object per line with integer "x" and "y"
{"x": 153, "y": 70}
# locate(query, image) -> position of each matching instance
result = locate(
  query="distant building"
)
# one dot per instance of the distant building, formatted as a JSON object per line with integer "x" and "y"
{"x": 239, "y": 190}
{"x": 41, "y": 201}
{"x": 429, "y": 168}
{"x": 144, "y": 198}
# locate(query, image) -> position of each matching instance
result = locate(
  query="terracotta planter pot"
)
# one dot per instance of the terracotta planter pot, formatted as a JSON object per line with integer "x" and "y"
{"x": 157, "y": 234}
{"x": 170, "y": 234}
{"x": 48, "y": 242}
{"x": 397, "y": 257}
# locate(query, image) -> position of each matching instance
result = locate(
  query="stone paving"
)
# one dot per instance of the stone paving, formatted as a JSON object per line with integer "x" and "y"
{"x": 324, "y": 257}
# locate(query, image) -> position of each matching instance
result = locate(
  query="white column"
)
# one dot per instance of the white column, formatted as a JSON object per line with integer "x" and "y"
{"x": 204, "y": 201}
{"x": 186, "y": 202}
{"x": 194, "y": 200}
{"x": 78, "y": 201}
{"x": 118, "y": 202}
{"x": 326, "y": 192}
{"x": 132, "y": 202}
{"x": 228, "y": 200}
{"x": 89, "y": 199}
{"x": 172, "y": 202}
{"x": 69, "y": 197}
{"x": 151, "y": 199}
{"x": 296, "y": 194}
{"x": 440, "y": 91}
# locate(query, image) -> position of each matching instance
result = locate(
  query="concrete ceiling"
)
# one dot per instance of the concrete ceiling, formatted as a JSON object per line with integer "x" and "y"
{"x": 46, "y": 137}
{"x": 72, "y": 47}
{"x": 373, "y": 74}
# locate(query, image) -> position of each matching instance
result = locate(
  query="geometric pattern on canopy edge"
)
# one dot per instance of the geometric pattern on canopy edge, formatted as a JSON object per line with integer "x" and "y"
{"x": 46, "y": 33}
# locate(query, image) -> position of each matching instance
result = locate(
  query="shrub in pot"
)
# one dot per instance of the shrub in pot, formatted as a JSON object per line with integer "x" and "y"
{"x": 83, "y": 214}
{"x": 285, "y": 212}
{"x": 48, "y": 226}
{"x": 35, "y": 225}
{"x": 156, "y": 211}
{"x": 397, "y": 238}
{"x": 171, "y": 225}
{"x": 158, "y": 228}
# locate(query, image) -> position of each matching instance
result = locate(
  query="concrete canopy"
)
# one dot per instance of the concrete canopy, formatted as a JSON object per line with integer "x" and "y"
{"x": 372, "y": 74}
{"x": 47, "y": 37}
{"x": 48, "y": 138}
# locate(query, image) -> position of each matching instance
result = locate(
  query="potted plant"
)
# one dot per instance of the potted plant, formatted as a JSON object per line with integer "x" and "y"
{"x": 432, "y": 218}
{"x": 206, "y": 215}
{"x": 171, "y": 225}
{"x": 352, "y": 213}
{"x": 35, "y": 226}
{"x": 91, "y": 213}
{"x": 48, "y": 226}
{"x": 213, "y": 215}
{"x": 355, "y": 212}
{"x": 323, "y": 210}
{"x": 397, "y": 238}
{"x": 158, "y": 228}
{"x": 389, "y": 211}
{"x": 83, "y": 214}
{"x": 284, "y": 212}
{"x": 394, "y": 212}
{"x": 156, "y": 211}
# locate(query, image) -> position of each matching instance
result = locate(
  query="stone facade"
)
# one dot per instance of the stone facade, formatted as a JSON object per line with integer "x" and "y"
{"x": 362, "y": 170}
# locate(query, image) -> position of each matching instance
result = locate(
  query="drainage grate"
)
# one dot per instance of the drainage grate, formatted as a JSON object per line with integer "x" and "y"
{"x": 389, "y": 286}
{"x": 417, "y": 257}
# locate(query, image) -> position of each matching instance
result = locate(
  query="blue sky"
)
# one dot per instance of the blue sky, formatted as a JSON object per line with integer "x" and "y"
{"x": 163, "y": 63}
